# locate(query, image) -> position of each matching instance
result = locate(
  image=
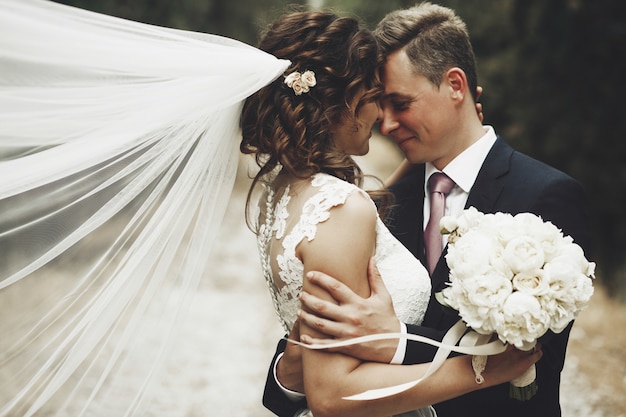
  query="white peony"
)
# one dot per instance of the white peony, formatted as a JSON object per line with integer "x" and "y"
{"x": 484, "y": 297}
{"x": 524, "y": 253}
{"x": 472, "y": 254}
{"x": 524, "y": 320}
{"x": 515, "y": 276}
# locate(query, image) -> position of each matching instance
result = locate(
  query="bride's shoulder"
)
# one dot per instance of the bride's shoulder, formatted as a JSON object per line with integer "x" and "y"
{"x": 335, "y": 190}
{"x": 339, "y": 215}
{"x": 329, "y": 185}
{"x": 346, "y": 200}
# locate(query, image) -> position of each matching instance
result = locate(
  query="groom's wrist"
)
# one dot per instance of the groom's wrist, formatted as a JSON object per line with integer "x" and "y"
{"x": 293, "y": 395}
{"x": 398, "y": 357}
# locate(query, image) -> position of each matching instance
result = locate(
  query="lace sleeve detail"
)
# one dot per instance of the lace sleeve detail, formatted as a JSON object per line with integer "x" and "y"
{"x": 286, "y": 282}
{"x": 332, "y": 192}
{"x": 405, "y": 277}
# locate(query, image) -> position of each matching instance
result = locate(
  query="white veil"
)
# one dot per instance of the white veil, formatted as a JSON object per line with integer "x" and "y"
{"x": 124, "y": 131}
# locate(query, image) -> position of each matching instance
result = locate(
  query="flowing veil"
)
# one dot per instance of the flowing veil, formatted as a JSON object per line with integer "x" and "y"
{"x": 126, "y": 131}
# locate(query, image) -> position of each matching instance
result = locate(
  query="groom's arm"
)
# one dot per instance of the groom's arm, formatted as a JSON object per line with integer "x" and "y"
{"x": 276, "y": 398}
{"x": 417, "y": 352}
{"x": 353, "y": 316}
{"x": 344, "y": 326}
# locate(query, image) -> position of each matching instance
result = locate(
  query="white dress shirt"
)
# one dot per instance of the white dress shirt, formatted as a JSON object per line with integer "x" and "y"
{"x": 463, "y": 170}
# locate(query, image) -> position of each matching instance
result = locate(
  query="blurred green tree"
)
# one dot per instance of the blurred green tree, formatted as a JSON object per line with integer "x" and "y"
{"x": 552, "y": 75}
{"x": 552, "y": 80}
{"x": 552, "y": 72}
{"x": 237, "y": 19}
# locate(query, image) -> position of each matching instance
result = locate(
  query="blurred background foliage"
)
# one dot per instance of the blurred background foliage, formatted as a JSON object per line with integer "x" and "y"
{"x": 553, "y": 73}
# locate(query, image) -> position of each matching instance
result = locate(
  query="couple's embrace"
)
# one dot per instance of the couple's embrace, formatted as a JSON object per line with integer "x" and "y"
{"x": 171, "y": 158}
{"x": 415, "y": 75}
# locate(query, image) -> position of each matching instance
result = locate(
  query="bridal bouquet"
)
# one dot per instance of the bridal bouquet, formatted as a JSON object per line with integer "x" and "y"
{"x": 516, "y": 277}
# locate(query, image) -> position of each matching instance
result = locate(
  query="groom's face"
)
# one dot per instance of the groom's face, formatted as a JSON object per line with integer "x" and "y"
{"x": 416, "y": 114}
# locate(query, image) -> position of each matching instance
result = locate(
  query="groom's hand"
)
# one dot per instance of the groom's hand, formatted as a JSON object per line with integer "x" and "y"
{"x": 352, "y": 316}
{"x": 289, "y": 367}
{"x": 479, "y": 106}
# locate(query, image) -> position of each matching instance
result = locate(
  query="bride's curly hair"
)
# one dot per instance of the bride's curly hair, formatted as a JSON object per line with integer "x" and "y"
{"x": 292, "y": 131}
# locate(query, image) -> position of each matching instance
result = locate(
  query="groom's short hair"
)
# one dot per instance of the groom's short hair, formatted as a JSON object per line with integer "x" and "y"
{"x": 434, "y": 38}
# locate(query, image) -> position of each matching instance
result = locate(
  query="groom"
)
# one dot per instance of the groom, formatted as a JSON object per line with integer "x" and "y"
{"x": 429, "y": 75}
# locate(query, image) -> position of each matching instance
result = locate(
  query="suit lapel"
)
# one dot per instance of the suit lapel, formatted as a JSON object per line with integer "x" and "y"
{"x": 489, "y": 182}
{"x": 483, "y": 196}
{"x": 407, "y": 219}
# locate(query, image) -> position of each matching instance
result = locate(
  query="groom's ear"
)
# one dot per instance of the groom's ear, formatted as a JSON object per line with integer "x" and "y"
{"x": 456, "y": 81}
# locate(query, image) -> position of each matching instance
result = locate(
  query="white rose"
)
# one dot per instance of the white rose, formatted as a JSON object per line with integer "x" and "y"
{"x": 299, "y": 88}
{"x": 308, "y": 78}
{"x": 300, "y": 83}
{"x": 524, "y": 321}
{"x": 291, "y": 78}
{"x": 533, "y": 282}
{"x": 468, "y": 220}
{"x": 523, "y": 254}
{"x": 448, "y": 224}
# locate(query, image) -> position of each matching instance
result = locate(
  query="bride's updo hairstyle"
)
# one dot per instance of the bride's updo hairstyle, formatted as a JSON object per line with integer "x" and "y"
{"x": 282, "y": 128}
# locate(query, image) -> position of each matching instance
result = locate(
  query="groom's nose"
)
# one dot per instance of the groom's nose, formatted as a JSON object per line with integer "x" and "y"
{"x": 388, "y": 123}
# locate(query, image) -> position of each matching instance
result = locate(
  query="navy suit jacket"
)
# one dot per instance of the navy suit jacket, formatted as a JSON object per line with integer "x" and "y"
{"x": 509, "y": 182}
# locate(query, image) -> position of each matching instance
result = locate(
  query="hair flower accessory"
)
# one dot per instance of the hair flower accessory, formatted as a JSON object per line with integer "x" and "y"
{"x": 301, "y": 83}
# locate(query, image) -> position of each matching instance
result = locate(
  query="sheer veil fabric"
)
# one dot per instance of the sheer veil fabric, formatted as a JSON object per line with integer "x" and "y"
{"x": 118, "y": 147}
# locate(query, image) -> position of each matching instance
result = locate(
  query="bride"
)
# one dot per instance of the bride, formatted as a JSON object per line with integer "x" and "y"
{"x": 302, "y": 129}
{"x": 129, "y": 131}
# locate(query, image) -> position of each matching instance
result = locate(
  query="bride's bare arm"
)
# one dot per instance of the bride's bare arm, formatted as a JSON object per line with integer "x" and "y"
{"x": 342, "y": 247}
{"x": 453, "y": 379}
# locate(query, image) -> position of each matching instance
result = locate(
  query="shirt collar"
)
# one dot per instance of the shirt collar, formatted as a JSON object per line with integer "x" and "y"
{"x": 464, "y": 169}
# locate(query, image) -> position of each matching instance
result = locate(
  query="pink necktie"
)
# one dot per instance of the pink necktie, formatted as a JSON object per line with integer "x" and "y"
{"x": 439, "y": 186}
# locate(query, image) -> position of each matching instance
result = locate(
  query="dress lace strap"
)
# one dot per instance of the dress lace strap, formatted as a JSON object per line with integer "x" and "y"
{"x": 285, "y": 283}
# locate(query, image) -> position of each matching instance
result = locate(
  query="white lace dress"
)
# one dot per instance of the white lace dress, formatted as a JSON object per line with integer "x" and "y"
{"x": 284, "y": 223}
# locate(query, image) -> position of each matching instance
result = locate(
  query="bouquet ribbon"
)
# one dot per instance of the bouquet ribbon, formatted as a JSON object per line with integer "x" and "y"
{"x": 457, "y": 339}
